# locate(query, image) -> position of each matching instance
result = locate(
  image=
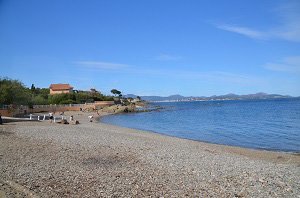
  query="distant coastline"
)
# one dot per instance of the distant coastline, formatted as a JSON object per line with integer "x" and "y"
{"x": 223, "y": 99}
{"x": 180, "y": 98}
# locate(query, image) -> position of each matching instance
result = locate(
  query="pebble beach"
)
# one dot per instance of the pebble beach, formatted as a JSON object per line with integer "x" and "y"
{"x": 93, "y": 159}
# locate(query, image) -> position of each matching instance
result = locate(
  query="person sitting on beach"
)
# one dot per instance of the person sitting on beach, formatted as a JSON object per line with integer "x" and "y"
{"x": 73, "y": 121}
{"x": 51, "y": 117}
{"x": 91, "y": 118}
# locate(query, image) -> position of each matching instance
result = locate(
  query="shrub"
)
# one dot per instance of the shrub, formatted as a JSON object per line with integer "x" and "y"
{"x": 39, "y": 100}
{"x": 68, "y": 101}
{"x": 13, "y": 92}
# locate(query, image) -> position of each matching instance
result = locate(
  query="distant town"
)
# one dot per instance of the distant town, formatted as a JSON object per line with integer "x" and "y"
{"x": 180, "y": 98}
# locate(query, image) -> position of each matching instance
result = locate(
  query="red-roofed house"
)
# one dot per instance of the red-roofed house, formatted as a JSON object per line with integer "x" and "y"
{"x": 60, "y": 88}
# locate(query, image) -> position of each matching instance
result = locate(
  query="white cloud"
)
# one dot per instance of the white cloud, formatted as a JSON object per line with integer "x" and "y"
{"x": 243, "y": 30}
{"x": 289, "y": 64}
{"x": 211, "y": 76}
{"x": 288, "y": 27}
{"x": 101, "y": 65}
{"x": 167, "y": 57}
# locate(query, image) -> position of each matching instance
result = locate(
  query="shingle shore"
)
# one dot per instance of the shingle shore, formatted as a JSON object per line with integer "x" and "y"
{"x": 100, "y": 160}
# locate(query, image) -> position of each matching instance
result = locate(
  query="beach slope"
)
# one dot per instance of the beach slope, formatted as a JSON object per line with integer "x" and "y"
{"x": 42, "y": 159}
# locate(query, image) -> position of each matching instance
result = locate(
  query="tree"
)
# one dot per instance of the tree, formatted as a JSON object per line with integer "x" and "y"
{"x": 95, "y": 95}
{"x": 138, "y": 97}
{"x": 39, "y": 100}
{"x": 116, "y": 92}
{"x": 64, "y": 98}
{"x": 13, "y": 92}
{"x": 32, "y": 89}
{"x": 44, "y": 92}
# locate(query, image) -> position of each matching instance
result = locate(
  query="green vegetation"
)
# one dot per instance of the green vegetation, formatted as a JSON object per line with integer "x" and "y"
{"x": 116, "y": 92}
{"x": 14, "y": 92}
{"x": 79, "y": 97}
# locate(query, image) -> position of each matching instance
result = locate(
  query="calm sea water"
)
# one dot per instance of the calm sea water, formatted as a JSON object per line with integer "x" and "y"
{"x": 260, "y": 124}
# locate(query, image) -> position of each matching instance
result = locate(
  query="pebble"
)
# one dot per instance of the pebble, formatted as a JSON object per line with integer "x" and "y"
{"x": 100, "y": 160}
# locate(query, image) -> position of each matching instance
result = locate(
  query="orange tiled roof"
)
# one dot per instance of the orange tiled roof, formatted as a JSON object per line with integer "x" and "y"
{"x": 56, "y": 87}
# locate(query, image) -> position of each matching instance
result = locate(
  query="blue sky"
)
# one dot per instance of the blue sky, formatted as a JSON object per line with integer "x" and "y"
{"x": 154, "y": 47}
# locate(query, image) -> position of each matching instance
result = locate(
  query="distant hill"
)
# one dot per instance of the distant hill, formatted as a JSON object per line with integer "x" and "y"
{"x": 229, "y": 96}
{"x": 157, "y": 98}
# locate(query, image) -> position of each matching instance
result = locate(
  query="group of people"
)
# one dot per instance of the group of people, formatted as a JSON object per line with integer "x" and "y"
{"x": 72, "y": 120}
{"x": 63, "y": 120}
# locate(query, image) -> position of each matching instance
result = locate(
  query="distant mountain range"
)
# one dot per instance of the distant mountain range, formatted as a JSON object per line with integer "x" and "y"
{"x": 230, "y": 96}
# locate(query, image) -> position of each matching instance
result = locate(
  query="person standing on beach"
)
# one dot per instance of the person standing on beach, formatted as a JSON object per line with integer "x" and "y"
{"x": 91, "y": 118}
{"x": 62, "y": 115}
{"x": 1, "y": 121}
{"x": 51, "y": 117}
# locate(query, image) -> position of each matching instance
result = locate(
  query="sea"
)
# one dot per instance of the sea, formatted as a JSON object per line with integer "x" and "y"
{"x": 272, "y": 124}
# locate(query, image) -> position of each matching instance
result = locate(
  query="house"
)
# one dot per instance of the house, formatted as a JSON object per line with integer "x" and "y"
{"x": 60, "y": 88}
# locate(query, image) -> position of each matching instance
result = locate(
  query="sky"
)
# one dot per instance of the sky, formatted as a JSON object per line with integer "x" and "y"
{"x": 153, "y": 47}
